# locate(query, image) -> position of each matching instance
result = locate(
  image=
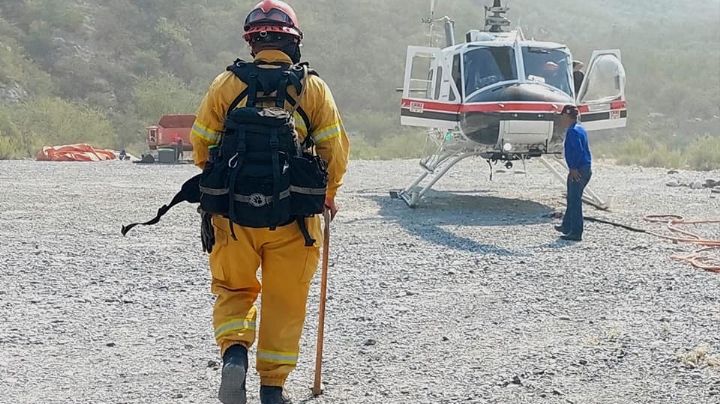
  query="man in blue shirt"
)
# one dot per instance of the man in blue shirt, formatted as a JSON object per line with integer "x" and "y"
{"x": 578, "y": 159}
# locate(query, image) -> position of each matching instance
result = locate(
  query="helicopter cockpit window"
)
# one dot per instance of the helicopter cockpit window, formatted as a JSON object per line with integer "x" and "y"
{"x": 488, "y": 66}
{"x": 548, "y": 66}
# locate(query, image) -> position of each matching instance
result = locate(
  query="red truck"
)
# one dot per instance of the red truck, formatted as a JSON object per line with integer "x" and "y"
{"x": 170, "y": 131}
{"x": 169, "y": 139}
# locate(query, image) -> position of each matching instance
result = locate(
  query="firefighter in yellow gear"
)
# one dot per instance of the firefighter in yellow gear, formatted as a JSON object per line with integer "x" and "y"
{"x": 287, "y": 264}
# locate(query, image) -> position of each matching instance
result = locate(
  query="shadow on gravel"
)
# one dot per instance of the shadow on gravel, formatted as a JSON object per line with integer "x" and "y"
{"x": 458, "y": 209}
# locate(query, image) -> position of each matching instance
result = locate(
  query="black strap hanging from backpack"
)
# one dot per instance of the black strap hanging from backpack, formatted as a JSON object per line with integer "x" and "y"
{"x": 189, "y": 192}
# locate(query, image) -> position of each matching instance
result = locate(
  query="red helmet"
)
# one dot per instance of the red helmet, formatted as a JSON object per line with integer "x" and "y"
{"x": 272, "y": 16}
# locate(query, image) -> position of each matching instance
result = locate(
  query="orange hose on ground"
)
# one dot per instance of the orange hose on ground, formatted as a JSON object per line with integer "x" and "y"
{"x": 698, "y": 258}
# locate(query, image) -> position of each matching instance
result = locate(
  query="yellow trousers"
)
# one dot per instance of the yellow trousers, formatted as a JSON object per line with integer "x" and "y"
{"x": 287, "y": 269}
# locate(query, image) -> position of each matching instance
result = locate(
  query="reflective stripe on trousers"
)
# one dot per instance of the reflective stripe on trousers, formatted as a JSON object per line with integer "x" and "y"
{"x": 234, "y": 326}
{"x": 285, "y": 358}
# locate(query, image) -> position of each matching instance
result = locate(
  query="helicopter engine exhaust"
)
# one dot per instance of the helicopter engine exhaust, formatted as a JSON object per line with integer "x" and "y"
{"x": 450, "y": 32}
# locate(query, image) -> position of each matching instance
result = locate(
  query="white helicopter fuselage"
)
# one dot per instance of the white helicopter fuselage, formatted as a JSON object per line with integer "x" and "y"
{"x": 502, "y": 94}
{"x": 498, "y": 96}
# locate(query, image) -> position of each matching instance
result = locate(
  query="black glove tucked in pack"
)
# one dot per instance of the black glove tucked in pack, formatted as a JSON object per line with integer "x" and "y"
{"x": 207, "y": 233}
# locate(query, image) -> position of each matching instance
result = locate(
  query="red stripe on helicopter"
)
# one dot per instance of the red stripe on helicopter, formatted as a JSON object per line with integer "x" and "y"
{"x": 420, "y": 106}
{"x": 511, "y": 107}
{"x": 434, "y": 106}
{"x": 614, "y": 105}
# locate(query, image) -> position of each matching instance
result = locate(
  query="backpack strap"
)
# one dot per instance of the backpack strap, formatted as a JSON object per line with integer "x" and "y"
{"x": 309, "y": 241}
{"x": 252, "y": 83}
{"x": 237, "y": 100}
{"x": 301, "y": 112}
{"x": 299, "y": 75}
{"x": 299, "y": 81}
{"x": 240, "y": 69}
{"x": 282, "y": 91}
{"x": 189, "y": 192}
{"x": 234, "y": 165}
{"x": 275, "y": 147}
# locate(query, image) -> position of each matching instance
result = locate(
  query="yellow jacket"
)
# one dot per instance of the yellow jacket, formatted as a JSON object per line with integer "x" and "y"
{"x": 328, "y": 131}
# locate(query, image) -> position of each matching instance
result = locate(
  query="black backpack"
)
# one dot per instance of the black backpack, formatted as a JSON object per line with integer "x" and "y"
{"x": 260, "y": 175}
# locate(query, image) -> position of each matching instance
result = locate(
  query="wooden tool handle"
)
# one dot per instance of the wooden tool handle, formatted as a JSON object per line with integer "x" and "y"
{"x": 317, "y": 389}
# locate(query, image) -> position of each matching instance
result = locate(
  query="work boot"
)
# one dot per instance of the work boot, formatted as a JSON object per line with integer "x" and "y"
{"x": 274, "y": 395}
{"x": 232, "y": 384}
{"x": 560, "y": 229}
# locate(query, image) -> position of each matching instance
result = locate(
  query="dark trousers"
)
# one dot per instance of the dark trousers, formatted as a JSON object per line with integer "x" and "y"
{"x": 573, "y": 220}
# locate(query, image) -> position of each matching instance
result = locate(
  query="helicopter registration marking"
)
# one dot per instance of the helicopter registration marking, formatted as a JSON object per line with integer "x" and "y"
{"x": 417, "y": 107}
{"x": 614, "y": 114}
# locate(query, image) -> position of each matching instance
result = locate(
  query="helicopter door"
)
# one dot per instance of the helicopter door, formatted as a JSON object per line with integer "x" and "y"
{"x": 422, "y": 91}
{"x": 601, "y": 98}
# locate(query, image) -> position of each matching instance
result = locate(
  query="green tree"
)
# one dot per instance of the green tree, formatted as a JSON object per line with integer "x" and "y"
{"x": 162, "y": 95}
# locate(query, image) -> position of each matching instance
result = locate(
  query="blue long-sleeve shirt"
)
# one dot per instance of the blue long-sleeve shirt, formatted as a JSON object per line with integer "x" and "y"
{"x": 577, "y": 151}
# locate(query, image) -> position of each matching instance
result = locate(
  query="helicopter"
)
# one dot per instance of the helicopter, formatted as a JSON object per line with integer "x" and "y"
{"x": 498, "y": 96}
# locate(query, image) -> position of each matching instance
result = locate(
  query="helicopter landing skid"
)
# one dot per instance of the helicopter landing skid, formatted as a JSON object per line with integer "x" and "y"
{"x": 589, "y": 196}
{"x": 430, "y": 164}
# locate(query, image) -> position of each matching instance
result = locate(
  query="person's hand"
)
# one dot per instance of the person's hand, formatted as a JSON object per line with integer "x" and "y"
{"x": 331, "y": 206}
{"x": 575, "y": 175}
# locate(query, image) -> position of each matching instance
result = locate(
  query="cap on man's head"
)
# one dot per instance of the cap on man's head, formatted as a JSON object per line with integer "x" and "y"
{"x": 570, "y": 110}
{"x": 550, "y": 66}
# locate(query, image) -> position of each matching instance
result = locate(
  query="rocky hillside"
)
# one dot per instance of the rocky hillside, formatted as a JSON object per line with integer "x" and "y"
{"x": 120, "y": 64}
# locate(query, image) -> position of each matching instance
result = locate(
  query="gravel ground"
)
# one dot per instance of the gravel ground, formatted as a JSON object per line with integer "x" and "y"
{"x": 469, "y": 298}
